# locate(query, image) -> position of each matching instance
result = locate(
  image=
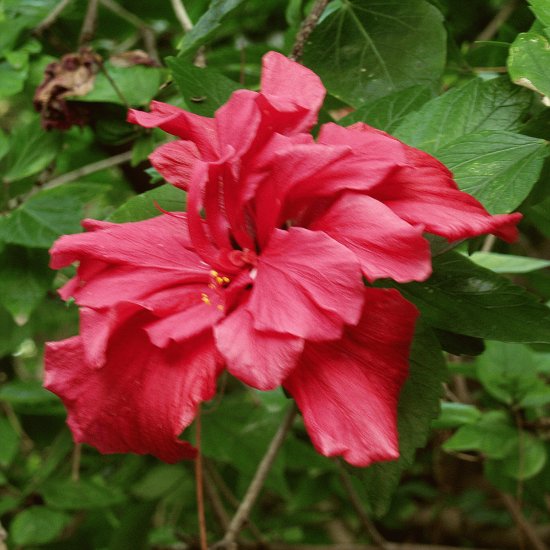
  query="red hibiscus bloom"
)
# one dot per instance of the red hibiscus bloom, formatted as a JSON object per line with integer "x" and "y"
{"x": 263, "y": 276}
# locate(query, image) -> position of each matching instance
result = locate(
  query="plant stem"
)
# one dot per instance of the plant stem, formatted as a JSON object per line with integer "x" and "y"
{"x": 498, "y": 20}
{"x": 86, "y": 170}
{"x": 75, "y": 463}
{"x": 182, "y": 15}
{"x": 257, "y": 482}
{"x": 147, "y": 33}
{"x": 306, "y": 29}
{"x": 200, "y": 483}
{"x": 88, "y": 27}
{"x": 50, "y": 19}
{"x": 369, "y": 526}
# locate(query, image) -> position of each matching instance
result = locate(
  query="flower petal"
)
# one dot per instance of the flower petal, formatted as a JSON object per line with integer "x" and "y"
{"x": 175, "y": 162}
{"x": 257, "y": 358}
{"x": 142, "y": 398}
{"x": 424, "y": 193}
{"x": 307, "y": 285}
{"x": 292, "y": 88}
{"x": 162, "y": 243}
{"x": 198, "y": 129}
{"x": 386, "y": 245}
{"x": 348, "y": 390}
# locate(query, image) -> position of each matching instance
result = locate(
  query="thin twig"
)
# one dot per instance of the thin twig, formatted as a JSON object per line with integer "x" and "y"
{"x": 199, "y": 482}
{"x": 369, "y": 526}
{"x": 522, "y": 522}
{"x": 306, "y": 29}
{"x": 498, "y": 20}
{"x": 88, "y": 27}
{"x": 75, "y": 463}
{"x": 84, "y": 171}
{"x": 257, "y": 482}
{"x": 488, "y": 243}
{"x": 182, "y": 15}
{"x": 147, "y": 33}
{"x": 215, "y": 501}
{"x": 51, "y": 18}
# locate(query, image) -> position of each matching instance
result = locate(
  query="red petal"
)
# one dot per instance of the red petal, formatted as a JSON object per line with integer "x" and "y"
{"x": 289, "y": 86}
{"x": 386, "y": 245}
{"x": 142, "y": 398}
{"x": 180, "y": 123}
{"x": 307, "y": 285}
{"x": 348, "y": 390}
{"x": 162, "y": 243}
{"x": 260, "y": 359}
{"x": 175, "y": 162}
{"x": 424, "y": 193}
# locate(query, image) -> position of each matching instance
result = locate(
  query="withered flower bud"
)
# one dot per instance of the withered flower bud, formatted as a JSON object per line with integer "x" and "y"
{"x": 73, "y": 75}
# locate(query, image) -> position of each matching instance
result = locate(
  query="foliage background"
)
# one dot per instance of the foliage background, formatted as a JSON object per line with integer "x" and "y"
{"x": 466, "y": 81}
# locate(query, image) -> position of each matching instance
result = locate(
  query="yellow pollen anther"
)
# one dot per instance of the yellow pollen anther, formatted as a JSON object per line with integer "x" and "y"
{"x": 212, "y": 286}
{"x": 220, "y": 307}
{"x": 214, "y": 273}
{"x": 219, "y": 280}
{"x": 226, "y": 279}
{"x": 205, "y": 299}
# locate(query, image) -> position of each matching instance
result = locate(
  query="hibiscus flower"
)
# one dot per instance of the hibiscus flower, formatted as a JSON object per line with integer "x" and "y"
{"x": 262, "y": 276}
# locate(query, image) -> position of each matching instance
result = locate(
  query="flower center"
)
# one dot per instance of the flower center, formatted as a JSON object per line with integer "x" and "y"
{"x": 216, "y": 285}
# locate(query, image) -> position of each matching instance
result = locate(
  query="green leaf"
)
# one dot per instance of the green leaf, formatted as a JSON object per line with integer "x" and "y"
{"x": 474, "y": 107}
{"x": 459, "y": 344}
{"x": 507, "y": 371}
{"x": 367, "y": 49}
{"x": 137, "y": 85}
{"x": 454, "y": 415}
{"x": 142, "y": 207}
{"x": 525, "y": 459}
{"x": 204, "y": 90}
{"x": 389, "y": 111}
{"x": 44, "y": 217}
{"x": 158, "y": 481}
{"x": 12, "y": 80}
{"x": 541, "y": 9}
{"x": 30, "y": 397}
{"x": 32, "y": 149}
{"x": 11, "y": 334}
{"x": 4, "y": 144}
{"x": 528, "y": 63}
{"x": 10, "y": 442}
{"x": 508, "y": 263}
{"x": 467, "y": 299}
{"x": 497, "y": 168}
{"x": 208, "y": 24}
{"x": 38, "y": 525}
{"x": 24, "y": 280}
{"x": 418, "y": 406}
{"x": 84, "y": 494}
{"x": 492, "y": 435}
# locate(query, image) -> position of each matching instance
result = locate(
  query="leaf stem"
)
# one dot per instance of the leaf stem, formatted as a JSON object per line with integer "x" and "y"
{"x": 257, "y": 482}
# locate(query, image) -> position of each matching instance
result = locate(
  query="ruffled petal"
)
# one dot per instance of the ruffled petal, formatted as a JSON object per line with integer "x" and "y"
{"x": 291, "y": 89}
{"x": 386, "y": 245}
{"x": 201, "y": 130}
{"x": 307, "y": 285}
{"x": 257, "y": 358}
{"x": 425, "y": 193}
{"x": 348, "y": 390}
{"x": 175, "y": 162}
{"x": 142, "y": 398}
{"x": 160, "y": 243}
